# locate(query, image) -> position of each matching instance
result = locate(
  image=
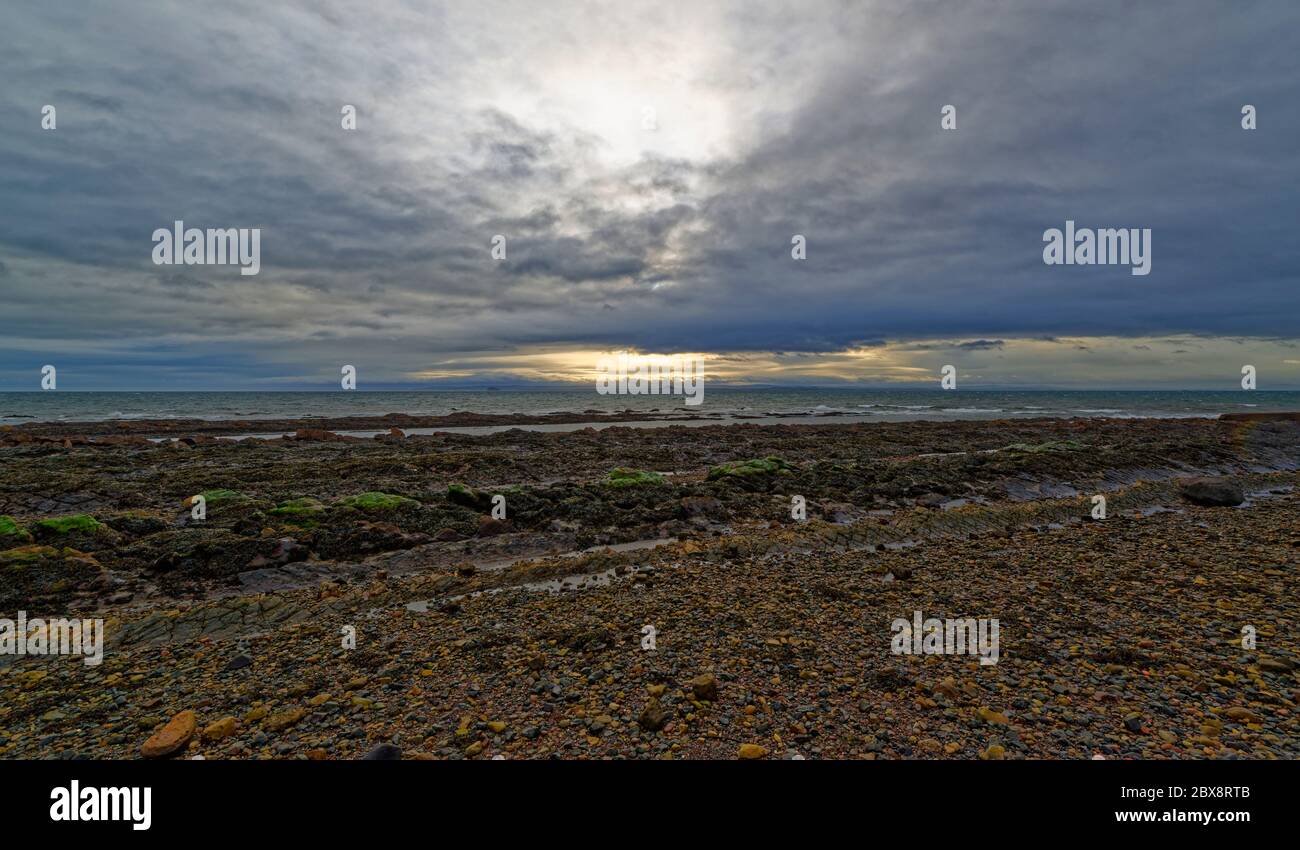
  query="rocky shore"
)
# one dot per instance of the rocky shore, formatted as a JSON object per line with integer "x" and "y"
{"x": 137, "y": 431}
{"x": 499, "y": 588}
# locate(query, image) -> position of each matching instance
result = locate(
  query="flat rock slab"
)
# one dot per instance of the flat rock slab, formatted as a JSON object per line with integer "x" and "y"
{"x": 1212, "y": 492}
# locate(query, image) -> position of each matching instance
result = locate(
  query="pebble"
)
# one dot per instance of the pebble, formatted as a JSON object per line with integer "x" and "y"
{"x": 172, "y": 737}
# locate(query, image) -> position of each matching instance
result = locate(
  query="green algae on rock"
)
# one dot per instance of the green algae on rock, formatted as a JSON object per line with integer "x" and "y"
{"x": 221, "y": 496}
{"x": 77, "y": 523}
{"x": 624, "y": 477}
{"x": 137, "y": 523}
{"x": 376, "y": 501}
{"x": 44, "y": 575}
{"x": 301, "y": 508}
{"x": 465, "y": 496}
{"x": 12, "y": 532}
{"x": 26, "y": 555}
{"x": 771, "y": 465}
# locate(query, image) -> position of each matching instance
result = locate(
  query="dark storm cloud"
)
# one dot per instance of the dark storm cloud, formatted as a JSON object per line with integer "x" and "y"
{"x": 968, "y": 345}
{"x": 377, "y": 241}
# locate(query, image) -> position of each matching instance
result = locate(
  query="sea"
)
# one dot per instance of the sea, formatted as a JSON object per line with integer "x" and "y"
{"x": 720, "y": 403}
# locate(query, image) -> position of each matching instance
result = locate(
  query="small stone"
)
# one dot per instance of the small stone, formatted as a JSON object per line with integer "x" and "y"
{"x": 948, "y": 687}
{"x": 173, "y": 737}
{"x": 705, "y": 687}
{"x": 284, "y": 719}
{"x": 491, "y": 527}
{"x": 223, "y": 728}
{"x": 652, "y": 717}
{"x": 751, "y": 751}
{"x": 1242, "y": 715}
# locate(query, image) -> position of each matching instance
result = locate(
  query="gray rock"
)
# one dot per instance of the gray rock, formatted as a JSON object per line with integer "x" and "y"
{"x": 702, "y": 506}
{"x": 239, "y": 662}
{"x": 384, "y": 752}
{"x": 1212, "y": 492}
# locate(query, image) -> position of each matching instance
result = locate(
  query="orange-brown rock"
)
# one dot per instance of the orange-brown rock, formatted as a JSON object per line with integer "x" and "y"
{"x": 171, "y": 738}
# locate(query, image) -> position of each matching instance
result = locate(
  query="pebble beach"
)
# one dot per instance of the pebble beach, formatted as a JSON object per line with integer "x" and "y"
{"x": 651, "y": 593}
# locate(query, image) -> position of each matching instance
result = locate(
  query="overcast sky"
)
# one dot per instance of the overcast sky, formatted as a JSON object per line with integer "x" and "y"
{"x": 648, "y": 164}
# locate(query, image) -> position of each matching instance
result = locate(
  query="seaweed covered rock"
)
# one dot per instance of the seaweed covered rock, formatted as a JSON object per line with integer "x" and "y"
{"x": 217, "y": 497}
{"x": 12, "y": 533}
{"x": 755, "y": 468}
{"x": 624, "y": 477}
{"x": 35, "y": 576}
{"x": 300, "y": 511}
{"x": 64, "y": 525}
{"x": 376, "y": 502}
{"x": 347, "y": 539}
{"x": 227, "y": 508}
{"x": 137, "y": 523}
{"x": 201, "y": 553}
{"x": 78, "y": 531}
{"x": 467, "y": 497}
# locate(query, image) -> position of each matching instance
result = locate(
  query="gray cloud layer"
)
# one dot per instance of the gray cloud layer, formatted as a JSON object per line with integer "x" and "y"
{"x": 523, "y": 119}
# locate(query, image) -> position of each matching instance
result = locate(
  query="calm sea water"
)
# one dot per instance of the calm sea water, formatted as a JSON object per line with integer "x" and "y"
{"x": 889, "y": 405}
